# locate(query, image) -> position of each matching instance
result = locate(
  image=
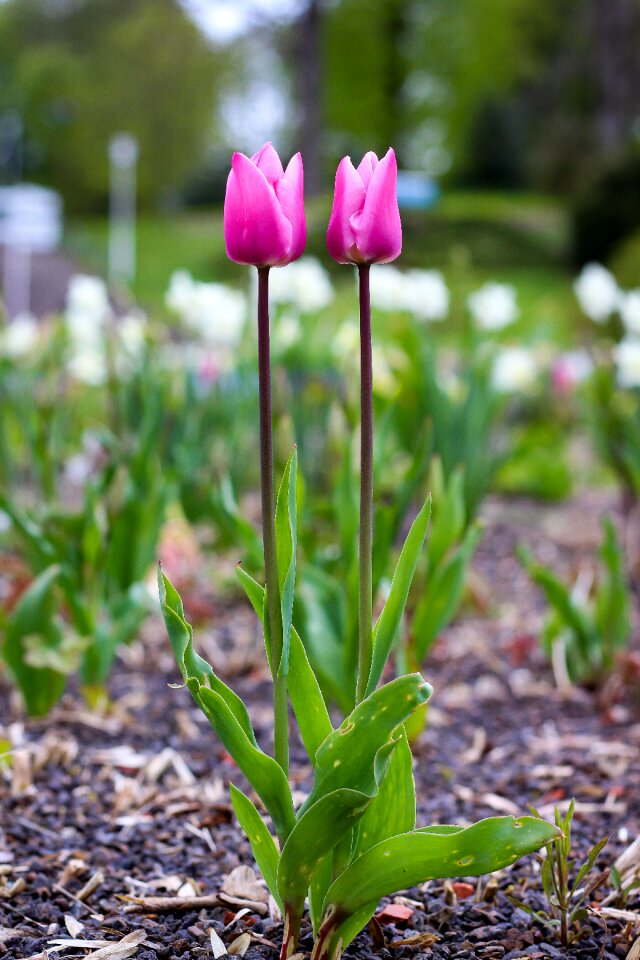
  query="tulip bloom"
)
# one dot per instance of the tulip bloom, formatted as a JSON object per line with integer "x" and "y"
{"x": 365, "y": 221}
{"x": 264, "y": 223}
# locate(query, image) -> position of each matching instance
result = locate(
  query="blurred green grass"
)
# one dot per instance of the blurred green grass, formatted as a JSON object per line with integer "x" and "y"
{"x": 471, "y": 236}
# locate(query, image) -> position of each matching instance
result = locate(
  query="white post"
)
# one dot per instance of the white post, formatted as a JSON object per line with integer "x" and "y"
{"x": 123, "y": 157}
{"x": 17, "y": 280}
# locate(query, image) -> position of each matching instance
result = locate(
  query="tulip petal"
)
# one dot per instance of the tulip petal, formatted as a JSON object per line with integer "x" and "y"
{"x": 268, "y": 161}
{"x": 348, "y": 200}
{"x": 367, "y": 165}
{"x": 377, "y": 228}
{"x": 290, "y": 194}
{"x": 256, "y": 231}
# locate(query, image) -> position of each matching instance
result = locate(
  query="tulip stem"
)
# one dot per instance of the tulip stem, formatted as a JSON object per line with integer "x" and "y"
{"x": 280, "y": 704}
{"x": 365, "y": 607}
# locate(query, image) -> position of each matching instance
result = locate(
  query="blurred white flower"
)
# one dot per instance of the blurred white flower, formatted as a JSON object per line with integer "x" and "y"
{"x": 493, "y": 306}
{"x": 515, "y": 370}
{"x": 87, "y": 309}
{"x": 630, "y": 311}
{"x": 213, "y": 311}
{"x": 346, "y": 341}
{"x": 19, "y": 336}
{"x": 626, "y": 356}
{"x": 597, "y": 292}
{"x": 89, "y": 366}
{"x": 286, "y": 332}
{"x": 426, "y": 295}
{"x": 570, "y": 369}
{"x": 132, "y": 331}
{"x": 304, "y": 284}
{"x": 386, "y": 284}
{"x": 384, "y": 381}
{"x": 421, "y": 292}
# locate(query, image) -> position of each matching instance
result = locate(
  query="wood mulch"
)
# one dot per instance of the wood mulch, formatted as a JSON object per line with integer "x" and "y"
{"x": 102, "y": 811}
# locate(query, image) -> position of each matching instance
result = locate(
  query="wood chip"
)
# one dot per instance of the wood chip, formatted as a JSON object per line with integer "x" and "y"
{"x": 167, "y": 904}
{"x": 243, "y": 883}
{"x": 634, "y": 953}
{"x": 240, "y": 945}
{"x": 107, "y": 949}
{"x": 92, "y": 884}
{"x": 74, "y": 927}
{"x": 217, "y": 945}
{"x": 418, "y": 940}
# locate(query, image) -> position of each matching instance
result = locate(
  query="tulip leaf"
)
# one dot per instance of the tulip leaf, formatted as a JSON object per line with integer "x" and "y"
{"x": 263, "y": 845}
{"x": 191, "y": 664}
{"x": 393, "y": 809}
{"x": 263, "y": 773}
{"x": 403, "y": 861}
{"x": 34, "y": 619}
{"x": 386, "y": 627}
{"x": 315, "y": 834}
{"x": 357, "y": 753}
{"x": 286, "y": 542}
{"x": 306, "y": 697}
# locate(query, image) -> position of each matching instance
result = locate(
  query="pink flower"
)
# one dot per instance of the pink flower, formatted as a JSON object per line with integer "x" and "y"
{"x": 365, "y": 221}
{"x": 264, "y": 223}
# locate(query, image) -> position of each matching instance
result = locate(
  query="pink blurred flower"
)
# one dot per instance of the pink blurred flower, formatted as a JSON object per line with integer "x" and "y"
{"x": 264, "y": 222}
{"x": 365, "y": 221}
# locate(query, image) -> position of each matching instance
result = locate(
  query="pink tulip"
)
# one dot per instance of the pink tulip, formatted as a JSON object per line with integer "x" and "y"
{"x": 365, "y": 221}
{"x": 264, "y": 223}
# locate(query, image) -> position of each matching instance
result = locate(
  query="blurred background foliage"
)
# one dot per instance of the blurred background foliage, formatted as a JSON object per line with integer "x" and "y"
{"x": 531, "y": 94}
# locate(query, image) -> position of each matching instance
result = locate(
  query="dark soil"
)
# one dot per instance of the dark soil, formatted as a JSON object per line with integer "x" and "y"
{"x": 135, "y": 799}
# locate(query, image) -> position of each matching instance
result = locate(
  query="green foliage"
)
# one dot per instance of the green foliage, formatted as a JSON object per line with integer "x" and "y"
{"x": 81, "y": 72}
{"x": 582, "y": 635}
{"x": 567, "y": 893}
{"x": 88, "y": 596}
{"x": 439, "y": 586}
{"x": 614, "y": 417}
{"x": 608, "y": 210}
{"x": 353, "y": 838}
{"x": 537, "y": 464}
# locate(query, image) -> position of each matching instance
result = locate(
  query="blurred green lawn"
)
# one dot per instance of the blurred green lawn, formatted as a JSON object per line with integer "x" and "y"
{"x": 471, "y": 236}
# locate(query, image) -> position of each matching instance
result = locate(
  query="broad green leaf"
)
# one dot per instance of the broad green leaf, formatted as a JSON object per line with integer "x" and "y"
{"x": 263, "y": 773}
{"x": 442, "y": 595}
{"x": 263, "y": 845}
{"x": 192, "y": 666}
{"x": 316, "y": 833}
{"x": 34, "y": 618}
{"x": 357, "y": 753}
{"x": 408, "y": 859}
{"x": 389, "y": 620}
{"x": 393, "y": 809}
{"x": 304, "y": 691}
{"x": 286, "y": 543}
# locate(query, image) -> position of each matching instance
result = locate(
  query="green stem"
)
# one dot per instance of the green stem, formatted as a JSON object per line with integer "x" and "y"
{"x": 365, "y": 604}
{"x": 280, "y": 706}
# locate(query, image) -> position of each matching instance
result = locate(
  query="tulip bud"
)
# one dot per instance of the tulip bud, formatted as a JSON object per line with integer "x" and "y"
{"x": 264, "y": 223}
{"x": 365, "y": 221}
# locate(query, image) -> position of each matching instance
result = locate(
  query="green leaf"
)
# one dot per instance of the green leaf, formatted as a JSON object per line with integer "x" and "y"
{"x": 263, "y": 845}
{"x": 357, "y": 753}
{"x": 408, "y": 859}
{"x": 389, "y": 620}
{"x": 393, "y": 809}
{"x": 192, "y": 666}
{"x": 304, "y": 691}
{"x": 286, "y": 542}
{"x": 227, "y": 714}
{"x": 316, "y": 833}
{"x": 588, "y": 865}
{"x": 33, "y": 622}
{"x": 262, "y": 771}
{"x": 442, "y": 595}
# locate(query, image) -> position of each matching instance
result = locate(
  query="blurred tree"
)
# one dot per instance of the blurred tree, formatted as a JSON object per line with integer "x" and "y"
{"x": 80, "y": 70}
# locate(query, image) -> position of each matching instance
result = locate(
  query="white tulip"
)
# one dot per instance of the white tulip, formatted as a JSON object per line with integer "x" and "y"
{"x": 626, "y": 356}
{"x": 493, "y": 306}
{"x": 597, "y": 292}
